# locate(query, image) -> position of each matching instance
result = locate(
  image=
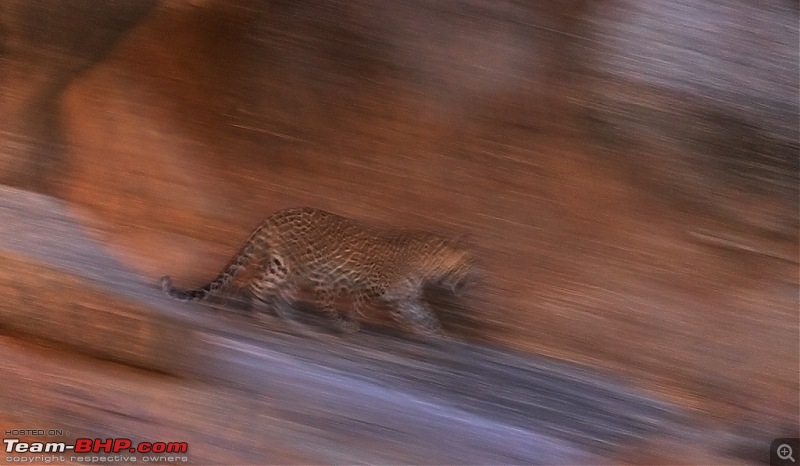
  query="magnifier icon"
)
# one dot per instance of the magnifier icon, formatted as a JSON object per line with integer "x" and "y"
{"x": 785, "y": 452}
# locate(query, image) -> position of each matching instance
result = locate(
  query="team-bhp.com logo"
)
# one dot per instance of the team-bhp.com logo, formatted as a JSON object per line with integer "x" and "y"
{"x": 87, "y": 445}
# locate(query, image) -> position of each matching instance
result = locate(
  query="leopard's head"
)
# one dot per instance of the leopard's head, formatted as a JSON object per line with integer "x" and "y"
{"x": 459, "y": 268}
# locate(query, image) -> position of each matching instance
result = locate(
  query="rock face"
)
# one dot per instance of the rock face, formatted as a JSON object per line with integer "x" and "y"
{"x": 629, "y": 170}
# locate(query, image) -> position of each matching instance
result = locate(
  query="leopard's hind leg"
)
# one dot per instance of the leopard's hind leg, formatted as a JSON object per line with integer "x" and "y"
{"x": 272, "y": 290}
{"x": 327, "y": 294}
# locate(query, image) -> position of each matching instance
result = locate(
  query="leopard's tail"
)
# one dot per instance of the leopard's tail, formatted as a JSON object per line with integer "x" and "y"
{"x": 235, "y": 266}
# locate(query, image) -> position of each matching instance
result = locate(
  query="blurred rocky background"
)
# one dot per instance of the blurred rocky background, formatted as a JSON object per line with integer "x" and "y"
{"x": 628, "y": 170}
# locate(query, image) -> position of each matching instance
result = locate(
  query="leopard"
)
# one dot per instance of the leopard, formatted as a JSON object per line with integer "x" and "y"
{"x": 336, "y": 256}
